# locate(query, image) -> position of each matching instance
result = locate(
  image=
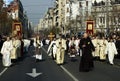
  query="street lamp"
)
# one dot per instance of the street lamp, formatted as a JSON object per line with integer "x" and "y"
{"x": 70, "y": 15}
{"x": 107, "y": 17}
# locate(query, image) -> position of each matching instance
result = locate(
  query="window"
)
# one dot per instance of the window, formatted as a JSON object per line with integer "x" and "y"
{"x": 86, "y": 3}
{"x": 80, "y": 5}
{"x": 67, "y": 9}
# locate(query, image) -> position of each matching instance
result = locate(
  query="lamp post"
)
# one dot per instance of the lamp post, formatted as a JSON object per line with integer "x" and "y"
{"x": 70, "y": 15}
{"x": 107, "y": 17}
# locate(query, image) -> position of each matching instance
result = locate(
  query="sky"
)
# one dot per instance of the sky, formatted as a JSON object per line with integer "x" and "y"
{"x": 7, "y": 1}
{"x": 36, "y": 9}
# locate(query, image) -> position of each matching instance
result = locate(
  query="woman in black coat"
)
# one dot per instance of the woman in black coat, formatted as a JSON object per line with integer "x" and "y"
{"x": 87, "y": 47}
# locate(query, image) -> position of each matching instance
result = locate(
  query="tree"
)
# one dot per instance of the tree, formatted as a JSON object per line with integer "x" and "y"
{"x": 5, "y": 22}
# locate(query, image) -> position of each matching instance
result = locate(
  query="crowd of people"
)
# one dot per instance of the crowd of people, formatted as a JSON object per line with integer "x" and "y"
{"x": 87, "y": 47}
{"x": 10, "y": 49}
{"x": 106, "y": 47}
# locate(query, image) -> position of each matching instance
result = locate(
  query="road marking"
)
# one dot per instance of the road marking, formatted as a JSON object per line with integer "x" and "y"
{"x": 73, "y": 77}
{"x": 34, "y": 74}
{"x": 3, "y": 71}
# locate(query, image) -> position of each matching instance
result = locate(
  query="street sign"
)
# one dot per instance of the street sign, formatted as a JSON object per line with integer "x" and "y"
{"x": 51, "y": 36}
{"x": 34, "y": 74}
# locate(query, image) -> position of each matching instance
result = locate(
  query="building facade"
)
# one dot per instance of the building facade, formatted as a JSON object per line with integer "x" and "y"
{"x": 106, "y": 15}
{"x": 17, "y": 13}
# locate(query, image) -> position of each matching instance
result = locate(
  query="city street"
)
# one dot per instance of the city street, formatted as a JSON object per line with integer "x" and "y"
{"x": 48, "y": 70}
{"x": 86, "y": 26}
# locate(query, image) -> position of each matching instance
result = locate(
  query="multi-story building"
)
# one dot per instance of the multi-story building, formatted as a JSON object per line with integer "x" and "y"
{"x": 40, "y": 25}
{"x": 17, "y": 13}
{"x": 71, "y": 14}
{"x": 48, "y": 20}
{"x": 106, "y": 15}
{"x": 66, "y": 11}
{"x": 85, "y": 13}
{"x": 1, "y": 4}
{"x": 77, "y": 12}
{"x": 15, "y": 9}
{"x": 60, "y": 13}
{"x": 4, "y": 21}
{"x": 51, "y": 17}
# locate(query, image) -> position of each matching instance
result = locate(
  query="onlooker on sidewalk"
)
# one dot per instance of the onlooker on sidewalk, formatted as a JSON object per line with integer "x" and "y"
{"x": 61, "y": 47}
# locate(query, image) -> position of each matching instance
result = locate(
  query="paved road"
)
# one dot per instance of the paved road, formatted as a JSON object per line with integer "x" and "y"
{"x": 52, "y": 72}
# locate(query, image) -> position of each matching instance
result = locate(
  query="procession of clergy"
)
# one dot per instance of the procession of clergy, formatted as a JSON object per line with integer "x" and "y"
{"x": 87, "y": 47}
{"x": 11, "y": 49}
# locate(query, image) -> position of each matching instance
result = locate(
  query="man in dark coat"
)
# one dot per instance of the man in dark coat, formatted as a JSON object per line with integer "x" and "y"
{"x": 118, "y": 46}
{"x": 1, "y": 42}
{"x": 87, "y": 47}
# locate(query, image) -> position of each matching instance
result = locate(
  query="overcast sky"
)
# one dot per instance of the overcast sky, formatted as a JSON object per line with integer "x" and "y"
{"x": 36, "y": 8}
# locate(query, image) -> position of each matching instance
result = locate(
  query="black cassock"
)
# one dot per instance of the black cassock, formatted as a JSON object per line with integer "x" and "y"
{"x": 86, "y": 63}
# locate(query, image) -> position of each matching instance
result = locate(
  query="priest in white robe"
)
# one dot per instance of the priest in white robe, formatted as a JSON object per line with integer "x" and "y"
{"x": 52, "y": 49}
{"x": 77, "y": 42}
{"x": 102, "y": 46}
{"x": 61, "y": 47}
{"x": 6, "y": 51}
{"x": 111, "y": 51}
{"x": 95, "y": 42}
{"x": 14, "y": 55}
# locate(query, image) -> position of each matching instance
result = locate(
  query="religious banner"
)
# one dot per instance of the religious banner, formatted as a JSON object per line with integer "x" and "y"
{"x": 17, "y": 29}
{"x": 90, "y": 27}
